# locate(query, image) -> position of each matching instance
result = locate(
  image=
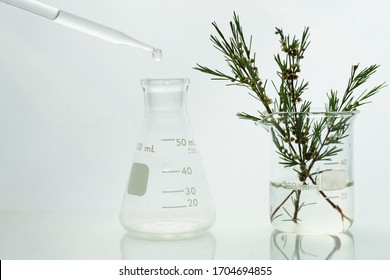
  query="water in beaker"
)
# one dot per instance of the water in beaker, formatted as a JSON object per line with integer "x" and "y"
{"x": 167, "y": 195}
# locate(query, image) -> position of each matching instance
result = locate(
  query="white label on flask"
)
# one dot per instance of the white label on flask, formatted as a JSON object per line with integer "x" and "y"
{"x": 138, "y": 179}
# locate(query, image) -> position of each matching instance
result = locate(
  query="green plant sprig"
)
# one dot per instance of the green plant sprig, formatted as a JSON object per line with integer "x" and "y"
{"x": 290, "y": 90}
{"x": 348, "y": 101}
{"x": 241, "y": 61}
{"x": 300, "y": 142}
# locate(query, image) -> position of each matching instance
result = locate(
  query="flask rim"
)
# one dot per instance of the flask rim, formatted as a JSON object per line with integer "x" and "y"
{"x": 165, "y": 82}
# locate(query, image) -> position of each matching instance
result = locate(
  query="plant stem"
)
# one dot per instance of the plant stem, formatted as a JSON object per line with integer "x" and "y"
{"x": 281, "y": 204}
{"x": 296, "y": 206}
{"x": 338, "y": 208}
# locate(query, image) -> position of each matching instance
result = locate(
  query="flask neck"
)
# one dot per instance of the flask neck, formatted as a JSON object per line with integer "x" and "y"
{"x": 165, "y": 94}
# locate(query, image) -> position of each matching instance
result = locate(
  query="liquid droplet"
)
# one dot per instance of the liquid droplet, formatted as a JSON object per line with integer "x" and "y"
{"x": 157, "y": 55}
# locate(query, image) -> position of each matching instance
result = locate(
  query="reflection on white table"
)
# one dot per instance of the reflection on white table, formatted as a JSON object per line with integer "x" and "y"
{"x": 97, "y": 235}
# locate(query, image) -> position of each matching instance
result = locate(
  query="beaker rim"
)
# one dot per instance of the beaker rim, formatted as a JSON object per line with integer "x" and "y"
{"x": 170, "y": 81}
{"x": 342, "y": 114}
{"x": 319, "y": 112}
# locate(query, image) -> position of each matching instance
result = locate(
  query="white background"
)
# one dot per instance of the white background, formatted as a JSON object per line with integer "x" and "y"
{"x": 71, "y": 106}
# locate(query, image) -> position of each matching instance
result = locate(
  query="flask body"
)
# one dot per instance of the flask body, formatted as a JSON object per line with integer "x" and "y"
{"x": 167, "y": 196}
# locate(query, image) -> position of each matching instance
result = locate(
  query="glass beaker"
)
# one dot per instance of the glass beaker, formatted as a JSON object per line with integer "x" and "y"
{"x": 167, "y": 196}
{"x": 311, "y": 186}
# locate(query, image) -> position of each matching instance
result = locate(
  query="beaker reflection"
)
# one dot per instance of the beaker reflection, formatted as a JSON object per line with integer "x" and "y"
{"x": 197, "y": 248}
{"x": 292, "y": 246}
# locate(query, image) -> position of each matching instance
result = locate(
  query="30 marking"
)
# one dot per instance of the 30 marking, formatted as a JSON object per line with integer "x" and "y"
{"x": 190, "y": 191}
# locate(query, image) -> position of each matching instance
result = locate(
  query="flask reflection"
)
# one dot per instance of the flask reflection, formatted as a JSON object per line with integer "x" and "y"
{"x": 198, "y": 248}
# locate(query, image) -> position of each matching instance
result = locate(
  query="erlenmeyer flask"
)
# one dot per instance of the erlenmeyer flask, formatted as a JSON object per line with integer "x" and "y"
{"x": 167, "y": 195}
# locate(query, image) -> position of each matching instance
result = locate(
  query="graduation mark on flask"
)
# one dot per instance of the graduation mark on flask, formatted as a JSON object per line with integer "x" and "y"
{"x": 147, "y": 149}
{"x": 184, "y": 142}
{"x": 180, "y": 142}
{"x": 184, "y": 171}
{"x": 170, "y": 171}
{"x": 190, "y": 203}
{"x": 186, "y": 191}
{"x": 189, "y": 192}
{"x": 343, "y": 162}
{"x": 188, "y": 144}
{"x": 173, "y": 207}
{"x": 173, "y": 191}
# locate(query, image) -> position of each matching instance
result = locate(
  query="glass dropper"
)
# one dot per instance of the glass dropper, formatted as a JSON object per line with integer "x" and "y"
{"x": 83, "y": 25}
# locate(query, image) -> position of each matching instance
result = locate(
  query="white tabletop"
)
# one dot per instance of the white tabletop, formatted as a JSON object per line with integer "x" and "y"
{"x": 97, "y": 234}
